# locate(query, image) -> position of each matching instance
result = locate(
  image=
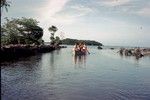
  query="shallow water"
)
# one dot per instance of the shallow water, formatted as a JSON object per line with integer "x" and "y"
{"x": 102, "y": 75}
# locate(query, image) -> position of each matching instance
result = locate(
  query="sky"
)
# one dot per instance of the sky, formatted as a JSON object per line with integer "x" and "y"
{"x": 111, "y": 22}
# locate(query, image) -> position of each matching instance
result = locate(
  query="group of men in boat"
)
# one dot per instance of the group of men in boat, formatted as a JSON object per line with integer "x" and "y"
{"x": 80, "y": 48}
{"x": 137, "y": 52}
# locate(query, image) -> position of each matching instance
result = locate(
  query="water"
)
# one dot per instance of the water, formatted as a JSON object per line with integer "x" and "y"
{"x": 102, "y": 75}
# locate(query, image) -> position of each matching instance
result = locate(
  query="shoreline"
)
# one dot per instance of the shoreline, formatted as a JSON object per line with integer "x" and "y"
{"x": 13, "y": 52}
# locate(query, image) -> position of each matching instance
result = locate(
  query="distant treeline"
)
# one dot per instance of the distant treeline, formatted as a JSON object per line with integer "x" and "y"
{"x": 69, "y": 41}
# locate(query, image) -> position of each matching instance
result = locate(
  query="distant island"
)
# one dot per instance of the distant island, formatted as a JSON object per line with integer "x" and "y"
{"x": 69, "y": 41}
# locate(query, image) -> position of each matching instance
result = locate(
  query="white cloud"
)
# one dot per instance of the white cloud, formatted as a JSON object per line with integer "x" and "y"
{"x": 144, "y": 11}
{"x": 114, "y": 2}
{"x": 50, "y": 9}
{"x": 72, "y": 15}
{"x": 55, "y": 12}
{"x": 47, "y": 15}
{"x": 62, "y": 17}
{"x": 82, "y": 10}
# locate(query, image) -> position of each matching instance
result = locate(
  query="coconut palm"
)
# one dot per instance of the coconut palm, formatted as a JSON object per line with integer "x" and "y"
{"x": 52, "y": 29}
{"x": 5, "y": 3}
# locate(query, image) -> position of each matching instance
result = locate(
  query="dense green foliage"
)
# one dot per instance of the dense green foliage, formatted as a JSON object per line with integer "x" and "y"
{"x": 24, "y": 31}
{"x": 54, "y": 40}
{"x": 69, "y": 41}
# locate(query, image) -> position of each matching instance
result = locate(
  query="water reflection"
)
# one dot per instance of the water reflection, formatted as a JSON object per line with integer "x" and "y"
{"x": 79, "y": 61}
{"x": 48, "y": 63}
{"x": 52, "y": 59}
{"x": 136, "y": 61}
{"x": 59, "y": 76}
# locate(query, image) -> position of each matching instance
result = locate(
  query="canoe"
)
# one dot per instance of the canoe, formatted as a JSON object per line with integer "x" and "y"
{"x": 79, "y": 53}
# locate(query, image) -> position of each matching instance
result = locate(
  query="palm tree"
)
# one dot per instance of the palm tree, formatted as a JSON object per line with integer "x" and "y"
{"x": 52, "y": 29}
{"x": 5, "y": 3}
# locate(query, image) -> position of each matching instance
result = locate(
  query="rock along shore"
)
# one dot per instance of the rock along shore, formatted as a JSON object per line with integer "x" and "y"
{"x": 11, "y": 52}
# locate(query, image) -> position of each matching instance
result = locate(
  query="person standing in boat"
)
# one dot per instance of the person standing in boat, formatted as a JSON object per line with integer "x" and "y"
{"x": 84, "y": 48}
{"x": 76, "y": 47}
{"x": 80, "y": 46}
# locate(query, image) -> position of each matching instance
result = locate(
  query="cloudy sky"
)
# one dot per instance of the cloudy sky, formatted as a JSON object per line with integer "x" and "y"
{"x": 112, "y": 22}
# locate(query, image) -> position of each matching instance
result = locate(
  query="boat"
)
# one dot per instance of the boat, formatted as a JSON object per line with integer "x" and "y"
{"x": 79, "y": 53}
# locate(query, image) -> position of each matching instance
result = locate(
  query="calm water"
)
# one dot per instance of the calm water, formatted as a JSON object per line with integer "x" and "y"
{"x": 102, "y": 75}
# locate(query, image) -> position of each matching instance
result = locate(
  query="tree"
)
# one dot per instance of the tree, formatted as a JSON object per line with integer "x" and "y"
{"x": 52, "y": 29}
{"x": 24, "y": 29}
{"x": 57, "y": 40}
{"x": 5, "y": 3}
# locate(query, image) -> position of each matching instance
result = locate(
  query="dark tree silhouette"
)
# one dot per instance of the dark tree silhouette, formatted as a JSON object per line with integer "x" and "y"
{"x": 52, "y": 29}
{"x": 5, "y": 4}
{"x": 24, "y": 28}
